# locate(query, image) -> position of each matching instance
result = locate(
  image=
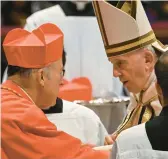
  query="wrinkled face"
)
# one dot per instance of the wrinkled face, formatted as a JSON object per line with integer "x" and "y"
{"x": 133, "y": 70}
{"x": 51, "y": 82}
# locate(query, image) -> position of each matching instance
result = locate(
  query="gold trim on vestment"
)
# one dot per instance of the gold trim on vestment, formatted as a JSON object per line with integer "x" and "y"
{"x": 133, "y": 117}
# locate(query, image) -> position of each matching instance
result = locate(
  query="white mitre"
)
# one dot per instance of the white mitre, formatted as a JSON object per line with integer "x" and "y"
{"x": 125, "y": 28}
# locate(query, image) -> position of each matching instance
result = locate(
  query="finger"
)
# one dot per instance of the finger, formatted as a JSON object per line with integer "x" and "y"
{"x": 108, "y": 140}
{"x": 114, "y": 136}
{"x": 105, "y": 143}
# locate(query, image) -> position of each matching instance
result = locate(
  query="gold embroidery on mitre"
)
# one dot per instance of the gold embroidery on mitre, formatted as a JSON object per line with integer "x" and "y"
{"x": 163, "y": 46}
{"x": 130, "y": 45}
{"x": 129, "y": 7}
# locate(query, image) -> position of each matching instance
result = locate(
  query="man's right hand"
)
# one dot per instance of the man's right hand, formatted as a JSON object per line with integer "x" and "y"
{"x": 109, "y": 140}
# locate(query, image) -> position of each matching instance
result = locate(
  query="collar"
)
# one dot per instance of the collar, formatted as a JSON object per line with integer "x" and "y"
{"x": 57, "y": 108}
{"x": 151, "y": 79}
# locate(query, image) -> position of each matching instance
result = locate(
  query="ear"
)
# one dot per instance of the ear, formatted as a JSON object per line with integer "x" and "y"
{"x": 40, "y": 77}
{"x": 149, "y": 60}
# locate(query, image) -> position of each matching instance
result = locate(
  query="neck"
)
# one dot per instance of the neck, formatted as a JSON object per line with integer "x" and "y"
{"x": 152, "y": 78}
{"x": 26, "y": 86}
{"x": 147, "y": 93}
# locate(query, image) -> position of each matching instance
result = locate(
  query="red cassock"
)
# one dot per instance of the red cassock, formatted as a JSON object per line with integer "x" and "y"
{"x": 27, "y": 134}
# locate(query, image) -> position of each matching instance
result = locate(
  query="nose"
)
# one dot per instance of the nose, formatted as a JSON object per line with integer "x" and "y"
{"x": 116, "y": 72}
{"x": 61, "y": 81}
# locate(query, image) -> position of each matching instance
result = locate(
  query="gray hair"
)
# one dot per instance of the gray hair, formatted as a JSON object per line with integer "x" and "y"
{"x": 47, "y": 71}
{"x": 155, "y": 51}
{"x": 151, "y": 48}
{"x": 24, "y": 72}
{"x": 28, "y": 72}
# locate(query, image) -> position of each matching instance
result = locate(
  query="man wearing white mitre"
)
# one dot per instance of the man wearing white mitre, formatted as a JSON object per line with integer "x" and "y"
{"x": 132, "y": 48}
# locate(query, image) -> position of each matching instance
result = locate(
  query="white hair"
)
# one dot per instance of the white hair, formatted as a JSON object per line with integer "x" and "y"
{"x": 46, "y": 70}
{"x": 150, "y": 48}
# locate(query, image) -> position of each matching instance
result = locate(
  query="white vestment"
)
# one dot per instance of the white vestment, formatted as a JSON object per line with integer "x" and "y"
{"x": 133, "y": 143}
{"x": 80, "y": 122}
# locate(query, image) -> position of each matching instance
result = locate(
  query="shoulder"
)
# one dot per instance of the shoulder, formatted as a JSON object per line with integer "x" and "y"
{"x": 11, "y": 101}
{"x": 157, "y": 132}
{"x": 15, "y": 108}
{"x": 79, "y": 110}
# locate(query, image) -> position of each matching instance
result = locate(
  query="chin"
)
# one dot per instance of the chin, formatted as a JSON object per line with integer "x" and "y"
{"x": 53, "y": 103}
{"x": 47, "y": 105}
{"x": 46, "y": 108}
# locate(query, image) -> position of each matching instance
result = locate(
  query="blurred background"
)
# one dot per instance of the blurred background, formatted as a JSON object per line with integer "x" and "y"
{"x": 84, "y": 50}
{"x": 14, "y": 14}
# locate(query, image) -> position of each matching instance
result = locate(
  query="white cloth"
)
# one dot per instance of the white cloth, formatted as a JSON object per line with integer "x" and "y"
{"x": 84, "y": 47}
{"x": 80, "y": 122}
{"x": 49, "y": 14}
{"x": 133, "y": 143}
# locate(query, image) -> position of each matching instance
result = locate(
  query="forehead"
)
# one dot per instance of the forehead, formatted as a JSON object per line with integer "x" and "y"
{"x": 125, "y": 57}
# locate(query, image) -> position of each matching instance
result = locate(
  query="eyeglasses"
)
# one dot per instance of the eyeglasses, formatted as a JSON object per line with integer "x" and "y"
{"x": 63, "y": 72}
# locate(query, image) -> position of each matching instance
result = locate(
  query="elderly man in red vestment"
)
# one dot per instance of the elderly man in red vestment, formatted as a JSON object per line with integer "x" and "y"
{"x": 36, "y": 58}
